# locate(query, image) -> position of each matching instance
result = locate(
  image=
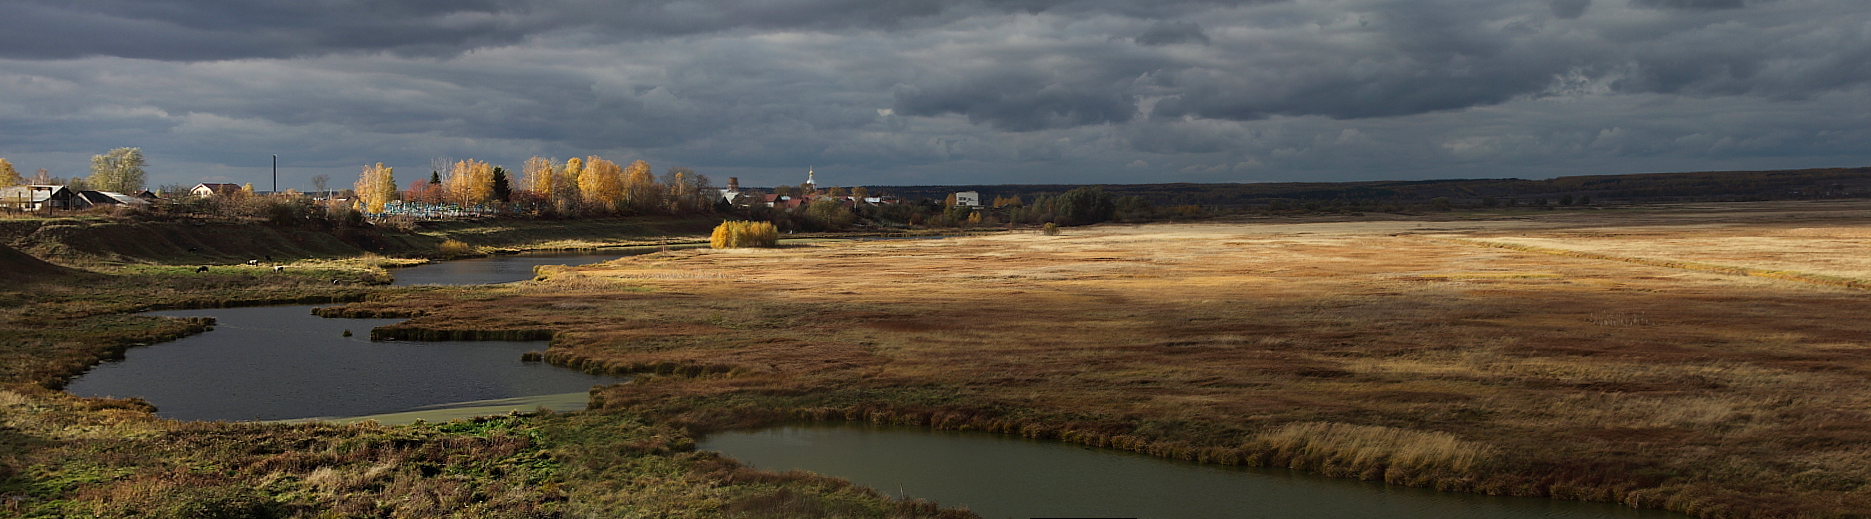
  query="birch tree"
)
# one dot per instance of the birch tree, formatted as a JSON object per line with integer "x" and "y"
{"x": 536, "y": 175}
{"x": 565, "y": 186}
{"x": 639, "y": 189}
{"x": 688, "y": 191}
{"x": 119, "y": 170}
{"x": 471, "y": 183}
{"x": 601, "y": 184}
{"x": 375, "y": 187}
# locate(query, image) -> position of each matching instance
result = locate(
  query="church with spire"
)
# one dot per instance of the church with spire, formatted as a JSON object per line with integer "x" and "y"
{"x": 805, "y": 194}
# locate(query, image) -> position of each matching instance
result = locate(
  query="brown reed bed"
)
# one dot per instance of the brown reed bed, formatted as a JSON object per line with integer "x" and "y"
{"x": 1353, "y": 349}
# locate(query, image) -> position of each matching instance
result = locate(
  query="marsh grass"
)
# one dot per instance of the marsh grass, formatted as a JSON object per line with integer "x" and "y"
{"x": 1349, "y": 348}
{"x": 1732, "y": 270}
{"x": 1334, "y": 348}
{"x": 1348, "y": 449}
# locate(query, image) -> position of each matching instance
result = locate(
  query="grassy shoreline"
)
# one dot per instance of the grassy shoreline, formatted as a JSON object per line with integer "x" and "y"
{"x": 64, "y": 456}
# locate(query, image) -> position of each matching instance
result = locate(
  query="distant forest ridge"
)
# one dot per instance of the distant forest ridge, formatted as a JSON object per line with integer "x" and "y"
{"x": 1645, "y": 187}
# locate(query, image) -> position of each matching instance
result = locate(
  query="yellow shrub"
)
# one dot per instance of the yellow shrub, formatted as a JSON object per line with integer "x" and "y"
{"x": 736, "y": 234}
{"x": 453, "y": 247}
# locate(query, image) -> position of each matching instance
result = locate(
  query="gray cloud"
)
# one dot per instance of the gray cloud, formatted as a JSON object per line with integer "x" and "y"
{"x": 883, "y": 92}
{"x": 1691, "y": 4}
{"x": 1570, "y": 9}
{"x": 1170, "y": 33}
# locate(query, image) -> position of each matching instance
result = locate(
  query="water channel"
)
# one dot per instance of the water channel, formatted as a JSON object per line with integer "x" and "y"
{"x": 283, "y": 363}
{"x": 1001, "y": 476}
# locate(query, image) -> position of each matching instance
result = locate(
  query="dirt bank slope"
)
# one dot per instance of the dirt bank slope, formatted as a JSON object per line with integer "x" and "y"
{"x": 19, "y": 267}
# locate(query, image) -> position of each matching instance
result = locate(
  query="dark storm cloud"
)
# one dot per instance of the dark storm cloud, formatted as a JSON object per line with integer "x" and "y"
{"x": 1570, "y": 9}
{"x": 1018, "y": 103}
{"x": 186, "y": 30}
{"x": 965, "y": 91}
{"x": 1169, "y": 33}
{"x": 1691, "y": 4}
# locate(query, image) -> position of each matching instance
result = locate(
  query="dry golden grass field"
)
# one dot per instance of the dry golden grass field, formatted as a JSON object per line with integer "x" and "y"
{"x": 1710, "y": 359}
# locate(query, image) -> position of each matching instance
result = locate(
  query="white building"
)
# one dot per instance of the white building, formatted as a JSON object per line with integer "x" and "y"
{"x": 968, "y": 199}
{"x": 207, "y": 189}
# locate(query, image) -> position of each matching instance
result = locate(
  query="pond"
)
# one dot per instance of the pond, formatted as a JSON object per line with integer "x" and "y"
{"x": 283, "y": 363}
{"x": 1001, "y": 476}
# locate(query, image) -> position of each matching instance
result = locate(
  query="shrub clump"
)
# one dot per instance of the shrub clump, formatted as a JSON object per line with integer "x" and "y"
{"x": 1050, "y": 229}
{"x": 735, "y": 234}
{"x": 452, "y": 248}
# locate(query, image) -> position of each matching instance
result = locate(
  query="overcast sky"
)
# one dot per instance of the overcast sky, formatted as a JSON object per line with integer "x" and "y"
{"x": 882, "y": 92}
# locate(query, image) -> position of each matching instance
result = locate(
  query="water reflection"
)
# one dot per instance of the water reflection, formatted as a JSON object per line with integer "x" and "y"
{"x": 282, "y": 362}
{"x": 999, "y": 476}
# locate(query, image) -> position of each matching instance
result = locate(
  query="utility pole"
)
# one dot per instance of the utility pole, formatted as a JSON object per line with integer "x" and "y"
{"x": 275, "y": 173}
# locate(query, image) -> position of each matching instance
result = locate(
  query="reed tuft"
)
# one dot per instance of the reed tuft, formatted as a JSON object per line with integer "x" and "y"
{"x": 1350, "y": 448}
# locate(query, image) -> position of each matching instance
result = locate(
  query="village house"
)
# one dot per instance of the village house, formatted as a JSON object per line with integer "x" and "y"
{"x": 732, "y": 193}
{"x": 36, "y": 197}
{"x": 968, "y": 199}
{"x": 208, "y": 189}
{"x": 89, "y": 199}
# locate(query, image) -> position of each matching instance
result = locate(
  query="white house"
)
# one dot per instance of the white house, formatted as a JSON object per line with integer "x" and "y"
{"x": 968, "y": 199}
{"x": 208, "y": 189}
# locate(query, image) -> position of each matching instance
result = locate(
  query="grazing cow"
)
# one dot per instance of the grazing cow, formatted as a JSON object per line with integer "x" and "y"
{"x": 203, "y": 268}
{"x": 279, "y": 268}
{"x": 253, "y": 262}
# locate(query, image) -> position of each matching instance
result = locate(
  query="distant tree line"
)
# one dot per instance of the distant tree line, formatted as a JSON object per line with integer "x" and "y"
{"x": 590, "y": 186}
{"x": 1419, "y": 195}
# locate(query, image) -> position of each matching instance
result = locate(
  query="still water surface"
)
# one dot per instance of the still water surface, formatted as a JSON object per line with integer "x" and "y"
{"x": 282, "y": 362}
{"x": 999, "y": 476}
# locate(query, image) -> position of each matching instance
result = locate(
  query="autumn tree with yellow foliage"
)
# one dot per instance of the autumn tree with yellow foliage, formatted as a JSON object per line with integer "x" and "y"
{"x": 375, "y": 188}
{"x": 471, "y": 183}
{"x": 537, "y": 176}
{"x": 601, "y": 185}
{"x": 640, "y": 192}
{"x": 8, "y": 175}
{"x": 565, "y": 195}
